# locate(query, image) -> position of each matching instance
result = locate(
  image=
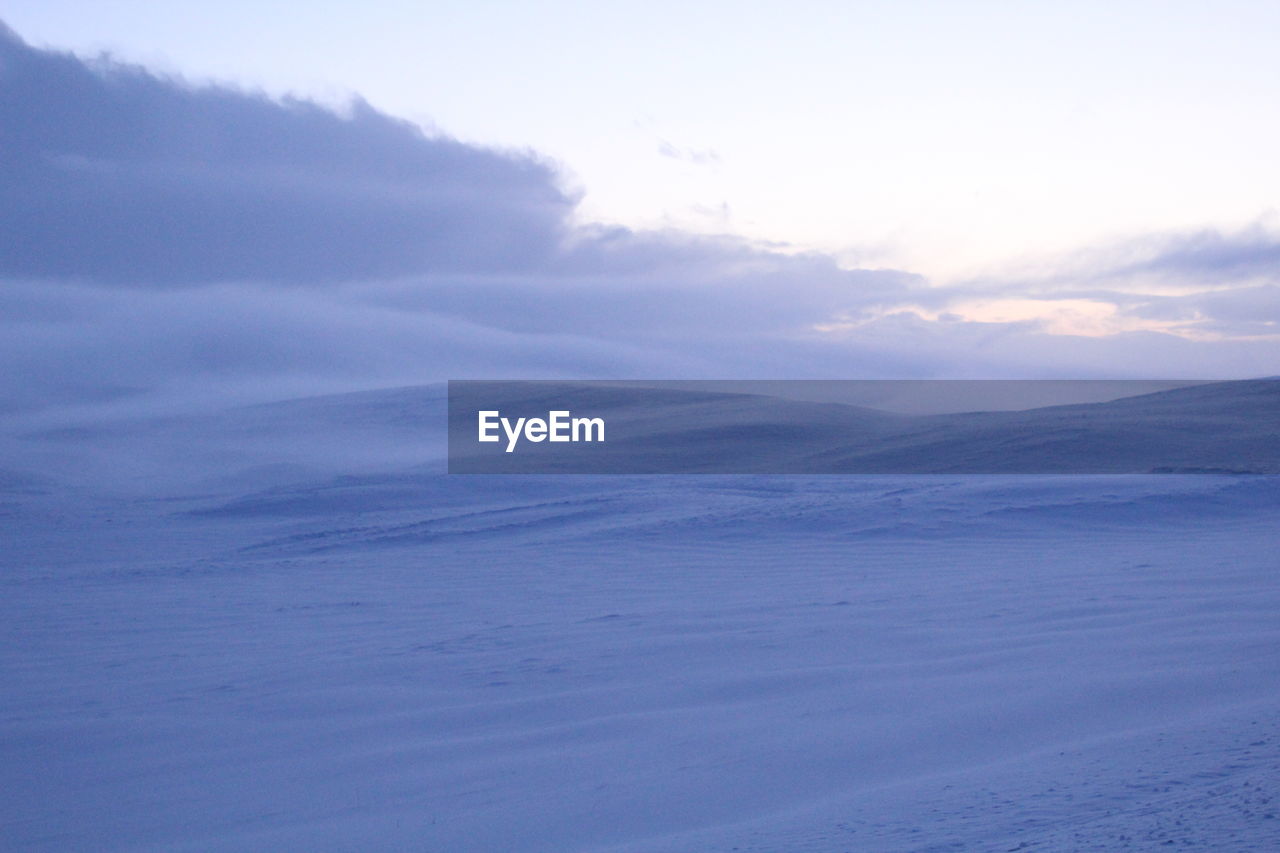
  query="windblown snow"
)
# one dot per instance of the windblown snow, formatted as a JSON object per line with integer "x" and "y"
{"x": 282, "y": 628}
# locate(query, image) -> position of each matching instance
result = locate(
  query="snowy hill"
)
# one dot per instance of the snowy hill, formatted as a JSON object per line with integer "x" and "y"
{"x": 304, "y": 637}
{"x": 1223, "y": 427}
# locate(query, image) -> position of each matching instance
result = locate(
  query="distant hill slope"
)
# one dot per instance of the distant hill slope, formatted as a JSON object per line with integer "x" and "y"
{"x": 1226, "y": 427}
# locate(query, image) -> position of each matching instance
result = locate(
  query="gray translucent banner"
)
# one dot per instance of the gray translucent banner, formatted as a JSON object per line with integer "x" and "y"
{"x": 864, "y": 427}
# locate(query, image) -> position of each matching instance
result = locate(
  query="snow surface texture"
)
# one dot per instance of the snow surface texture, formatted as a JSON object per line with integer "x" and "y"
{"x": 318, "y": 649}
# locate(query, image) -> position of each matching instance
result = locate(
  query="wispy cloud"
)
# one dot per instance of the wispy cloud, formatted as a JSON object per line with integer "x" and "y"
{"x": 1204, "y": 285}
{"x": 696, "y": 156}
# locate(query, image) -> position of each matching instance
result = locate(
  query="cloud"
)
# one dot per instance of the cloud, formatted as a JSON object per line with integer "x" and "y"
{"x": 165, "y": 241}
{"x": 1205, "y": 257}
{"x": 696, "y": 156}
{"x": 1205, "y": 284}
{"x": 111, "y": 173}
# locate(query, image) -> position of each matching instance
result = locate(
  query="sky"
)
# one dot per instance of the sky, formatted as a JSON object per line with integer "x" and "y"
{"x": 950, "y": 138}
{"x": 236, "y": 200}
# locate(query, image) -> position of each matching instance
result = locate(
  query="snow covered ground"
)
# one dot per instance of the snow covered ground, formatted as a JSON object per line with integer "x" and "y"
{"x": 369, "y": 655}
